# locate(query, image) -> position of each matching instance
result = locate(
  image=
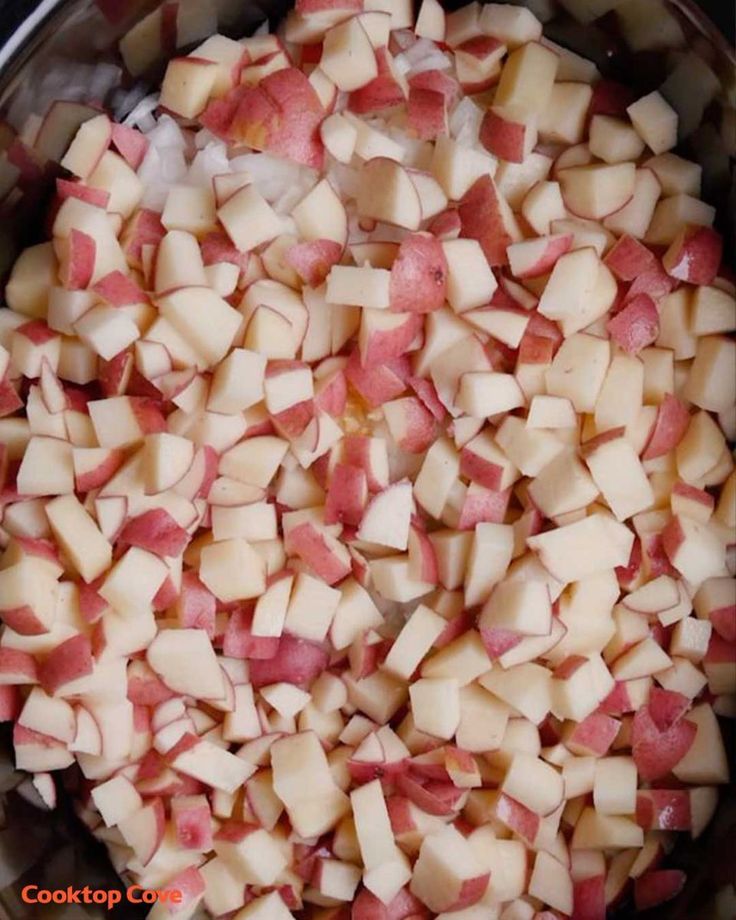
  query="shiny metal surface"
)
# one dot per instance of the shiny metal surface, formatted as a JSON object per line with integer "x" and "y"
{"x": 69, "y": 49}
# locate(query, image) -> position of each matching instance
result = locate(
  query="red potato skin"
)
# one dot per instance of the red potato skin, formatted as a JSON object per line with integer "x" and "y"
{"x": 197, "y": 605}
{"x": 400, "y": 815}
{"x": 296, "y": 661}
{"x": 309, "y": 544}
{"x": 447, "y": 225}
{"x": 610, "y": 98}
{"x": 654, "y": 556}
{"x": 292, "y": 421}
{"x": 497, "y": 640}
{"x": 380, "y": 384}
{"x": 331, "y": 394}
{"x": 281, "y": 115}
{"x": 166, "y": 596}
{"x": 91, "y": 604}
{"x": 17, "y": 663}
{"x": 305, "y": 7}
{"x": 10, "y": 401}
{"x": 66, "y": 188}
{"x": 148, "y": 414}
{"x": 720, "y": 650}
{"x": 636, "y": 326}
{"x": 10, "y": 703}
{"x": 503, "y": 137}
{"x": 67, "y": 662}
{"x": 130, "y": 144}
{"x": 628, "y": 259}
{"x": 79, "y": 262}
{"x": 386, "y": 346}
{"x": 479, "y": 470}
{"x": 663, "y": 809}
{"x": 655, "y": 282}
{"x": 471, "y": 891}
{"x": 23, "y": 620}
{"x": 568, "y": 667}
{"x": 190, "y": 883}
{"x": 437, "y": 81}
{"x": 158, "y": 817}
{"x": 357, "y": 451}
{"x": 518, "y": 818}
{"x": 427, "y": 393}
{"x": 535, "y": 349}
{"x": 617, "y": 702}
{"x": 487, "y": 506}
{"x": 420, "y": 427}
{"x": 695, "y": 255}
{"x": 366, "y": 657}
{"x": 235, "y": 831}
{"x": 27, "y": 736}
{"x": 155, "y": 531}
{"x": 540, "y": 326}
{"x": 594, "y": 735}
{"x": 347, "y": 495}
{"x": 381, "y": 93}
{"x": 313, "y": 260}
{"x": 683, "y": 490}
{"x": 589, "y": 898}
{"x": 115, "y": 375}
{"x": 658, "y": 886}
{"x": 667, "y": 707}
{"x": 669, "y": 429}
{"x": 429, "y": 572}
{"x": 481, "y": 220}
{"x": 44, "y": 549}
{"x": 724, "y": 623}
{"x": 554, "y": 249}
{"x": 148, "y": 691}
{"x": 144, "y": 228}
{"x": 426, "y": 113}
{"x": 672, "y": 539}
{"x": 363, "y": 772}
{"x": 403, "y": 907}
{"x": 418, "y": 275}
{"x": 216, "y": 247}
{"x": 119, "y": 290}
{"x": 239, "y": 642}
{"x": 456, "y": 626}
{"x": 192, "y": 825}
{"x": 656, "y": 753}
{"x": 435, "y": 797}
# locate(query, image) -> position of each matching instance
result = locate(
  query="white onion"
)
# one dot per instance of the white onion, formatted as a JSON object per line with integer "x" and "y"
{"x": 414, "y": 148}
{"x": 402, "y": 65}
{"x": 274, "y": 177}
{"x": 166, "y": 133}
{"x": 422, "y": 55}
{"x": 143, "y": 109}
{"x": 159, "y": 171}
{"x": 104, "y": 78}
{"x": 465, "y": 122}
{"x": 209, "y": 162}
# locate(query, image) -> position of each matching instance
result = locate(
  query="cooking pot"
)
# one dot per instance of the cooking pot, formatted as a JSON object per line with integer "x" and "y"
{"x": 71, "y": 49}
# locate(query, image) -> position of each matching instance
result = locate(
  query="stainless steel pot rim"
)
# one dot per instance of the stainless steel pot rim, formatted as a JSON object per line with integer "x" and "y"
{"x": 25, "y": 30}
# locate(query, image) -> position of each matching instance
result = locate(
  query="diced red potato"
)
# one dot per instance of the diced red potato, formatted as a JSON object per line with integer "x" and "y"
{"x": 258, "y": 483}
